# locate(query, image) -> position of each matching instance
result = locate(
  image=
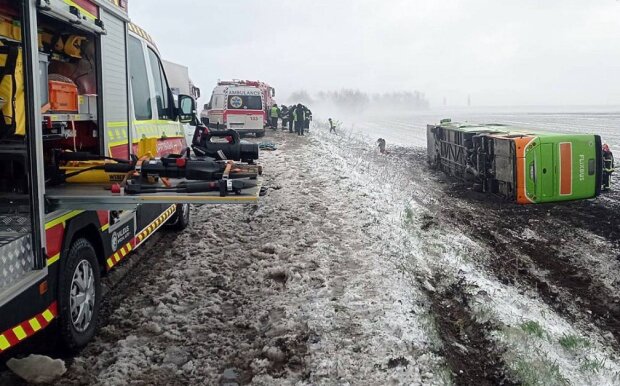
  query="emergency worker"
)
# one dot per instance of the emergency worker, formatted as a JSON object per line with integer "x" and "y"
{"x": 285, "y": 116}
{"x": 274, "y": 114}
{"x": 332, "y": 127}
{"x": 300, "y": 119}
{"x": 608, "y": 167}
{"x": 308, "y": 118}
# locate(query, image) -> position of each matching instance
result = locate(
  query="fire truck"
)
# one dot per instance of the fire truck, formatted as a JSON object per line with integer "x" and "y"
{"x": 240, "y": 105}
{"x": 80, "y": 83}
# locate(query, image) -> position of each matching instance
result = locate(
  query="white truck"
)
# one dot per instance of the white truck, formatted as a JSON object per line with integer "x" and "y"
{"x": 181, "y": 84}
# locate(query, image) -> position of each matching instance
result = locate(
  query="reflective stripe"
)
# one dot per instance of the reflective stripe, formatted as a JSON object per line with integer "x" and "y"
{"x": 62, "y": 219}
{"x": 13, "y": 336}
{"x": 34, "y": 323}
{"x": 53, "y": 259}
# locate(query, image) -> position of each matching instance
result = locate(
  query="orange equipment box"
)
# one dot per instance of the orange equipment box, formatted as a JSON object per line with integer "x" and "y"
{"x": 63, "y": 97}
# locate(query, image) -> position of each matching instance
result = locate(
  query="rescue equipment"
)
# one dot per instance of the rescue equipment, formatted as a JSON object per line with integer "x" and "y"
{"x": 13, "y": 113}
{"x": 234, "y": 149}
{"x": 147, "y": 175}
{"x": 63, "y": 94}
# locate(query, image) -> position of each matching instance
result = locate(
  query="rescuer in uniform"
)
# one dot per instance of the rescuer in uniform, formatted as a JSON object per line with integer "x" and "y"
{"x": 285, "y": 116}
{"x": 308, "y": 118}
{"x": 274, "y": 114}
{"x": 332, "y": 127}
{"x": 291, "y": 121}
{"x": 300, "y": 119}
{"x": 608, "y": 167}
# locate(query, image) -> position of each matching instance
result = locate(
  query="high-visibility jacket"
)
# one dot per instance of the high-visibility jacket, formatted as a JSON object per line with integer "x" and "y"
{"x": 13, "y": 114}
{"x": 275, "y": 112}
{"x": 299, "y": 114}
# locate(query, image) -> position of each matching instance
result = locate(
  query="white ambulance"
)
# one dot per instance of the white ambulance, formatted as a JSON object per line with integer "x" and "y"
{"x": 238, "y": 106}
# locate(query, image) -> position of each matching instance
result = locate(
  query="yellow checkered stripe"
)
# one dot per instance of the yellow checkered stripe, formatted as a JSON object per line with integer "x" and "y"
{"x": 28, "y": 328}
{"x": 142, "y": 33}
{"x": 120, "y": 3}
{"x": 119, "y": 255}
{"x": 161, "y": 220}
{"x": 124, "y": 251}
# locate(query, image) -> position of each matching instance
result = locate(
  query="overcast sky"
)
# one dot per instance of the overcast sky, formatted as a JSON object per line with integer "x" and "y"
{"x": 508, "y": 52}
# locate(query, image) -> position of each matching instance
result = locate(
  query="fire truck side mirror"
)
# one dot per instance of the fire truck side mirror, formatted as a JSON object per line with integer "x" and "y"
{"x": 187, "y": 108}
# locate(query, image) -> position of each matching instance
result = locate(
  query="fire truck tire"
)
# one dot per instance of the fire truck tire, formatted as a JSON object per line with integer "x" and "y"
{"x": 79, "y": 295}
{"x": 180, "y": 219}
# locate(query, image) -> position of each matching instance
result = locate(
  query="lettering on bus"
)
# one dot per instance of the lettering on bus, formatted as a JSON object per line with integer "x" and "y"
{"x": 582, "y": 167}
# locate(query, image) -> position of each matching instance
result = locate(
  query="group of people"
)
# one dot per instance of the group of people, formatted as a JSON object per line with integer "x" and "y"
{"x": 295, "y": 117}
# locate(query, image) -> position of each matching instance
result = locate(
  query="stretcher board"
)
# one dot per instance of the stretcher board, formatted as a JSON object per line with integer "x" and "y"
{"x": 99, "y": 197}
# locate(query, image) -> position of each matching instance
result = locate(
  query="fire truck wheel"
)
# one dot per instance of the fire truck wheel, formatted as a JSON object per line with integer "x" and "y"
{"x": 181, "y": 218}
{"x": 79, "y": 295}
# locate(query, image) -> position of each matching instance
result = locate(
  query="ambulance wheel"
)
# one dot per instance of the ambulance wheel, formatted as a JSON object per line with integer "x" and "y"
{"x": 180, "y": 219}
{"x": 79, "y": 295}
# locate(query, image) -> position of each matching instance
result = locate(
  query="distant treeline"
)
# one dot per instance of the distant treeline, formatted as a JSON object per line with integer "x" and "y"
{"x": 356, "y": 100}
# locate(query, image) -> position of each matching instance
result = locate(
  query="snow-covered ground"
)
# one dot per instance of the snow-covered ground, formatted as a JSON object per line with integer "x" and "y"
{"x": 363, "y": 269}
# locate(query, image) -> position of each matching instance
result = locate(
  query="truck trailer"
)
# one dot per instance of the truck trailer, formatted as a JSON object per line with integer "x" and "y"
{"x": 520, "y": 165}
{"x": 78, "y": 80}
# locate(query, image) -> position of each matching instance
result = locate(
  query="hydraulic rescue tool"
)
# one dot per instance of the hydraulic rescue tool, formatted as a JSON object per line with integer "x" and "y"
{"x": 232, "y": 149}
{"x": 154, "y": 175}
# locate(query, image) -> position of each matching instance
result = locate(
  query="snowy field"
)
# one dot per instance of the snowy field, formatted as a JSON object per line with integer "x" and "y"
{"x": 364, "y": 269}
{"x": 410, "y": 129}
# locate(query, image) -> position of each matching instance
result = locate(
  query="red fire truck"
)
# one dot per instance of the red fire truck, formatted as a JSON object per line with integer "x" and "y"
{"x": 77, "y": 76}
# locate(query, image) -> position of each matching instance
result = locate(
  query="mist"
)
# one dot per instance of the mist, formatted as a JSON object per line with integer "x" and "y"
{"x": 456, "y": 52}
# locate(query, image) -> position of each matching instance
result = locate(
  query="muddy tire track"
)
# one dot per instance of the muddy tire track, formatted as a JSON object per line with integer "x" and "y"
{"x": 473, "y": 358}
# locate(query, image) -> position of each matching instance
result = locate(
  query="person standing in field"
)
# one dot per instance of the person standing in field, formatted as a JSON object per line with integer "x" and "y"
{"x": 608, "y": 167}
{"x": 274, "y": 114}
{"x": 285, "y": 116}
{"x": 300, "y": 119}
{"x": 381, "y": 143}
{"x": 332, "y": 127}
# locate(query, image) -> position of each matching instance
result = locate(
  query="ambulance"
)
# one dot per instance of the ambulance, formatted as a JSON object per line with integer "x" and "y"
{"x": 240, "y": 105}
{"x": 77, "y": 77}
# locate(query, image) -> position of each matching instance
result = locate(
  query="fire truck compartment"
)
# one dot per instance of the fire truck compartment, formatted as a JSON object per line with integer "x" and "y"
{"x": 16, "y": 255}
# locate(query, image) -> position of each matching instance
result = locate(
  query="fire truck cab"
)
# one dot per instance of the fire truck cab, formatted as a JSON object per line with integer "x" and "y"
{"x": 240, "y": 105}
{"x": 76, "y": 75}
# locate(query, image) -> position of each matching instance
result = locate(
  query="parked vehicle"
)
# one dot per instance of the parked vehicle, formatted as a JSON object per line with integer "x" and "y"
{"x": 240, "y": 105}
{"x": 181, "y": 84}
{"x": 77, "y": 76}
{"x": 520, "y": 165}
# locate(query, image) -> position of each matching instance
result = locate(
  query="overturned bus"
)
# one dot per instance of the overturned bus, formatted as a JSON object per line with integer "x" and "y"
{"x": 521, "y": 165}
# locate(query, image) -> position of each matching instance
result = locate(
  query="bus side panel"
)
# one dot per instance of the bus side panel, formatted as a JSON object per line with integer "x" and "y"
{"x": 115, "y": 88}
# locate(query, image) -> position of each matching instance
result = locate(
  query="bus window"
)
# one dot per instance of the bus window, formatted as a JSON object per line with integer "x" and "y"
{"x": 139, "y": 81}
{"x": 161, "y": 87}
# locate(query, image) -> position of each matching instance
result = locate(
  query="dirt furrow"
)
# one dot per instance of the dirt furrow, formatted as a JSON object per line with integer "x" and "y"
{"x": 473, "y": 358}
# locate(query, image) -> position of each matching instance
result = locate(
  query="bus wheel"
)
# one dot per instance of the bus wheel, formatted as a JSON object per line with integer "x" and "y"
{"x": 180, "y": 219}
{"x": 79, "y": 296}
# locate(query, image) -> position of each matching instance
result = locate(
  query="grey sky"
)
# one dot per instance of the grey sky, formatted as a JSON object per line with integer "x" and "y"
{"x": 508, "y": 52}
